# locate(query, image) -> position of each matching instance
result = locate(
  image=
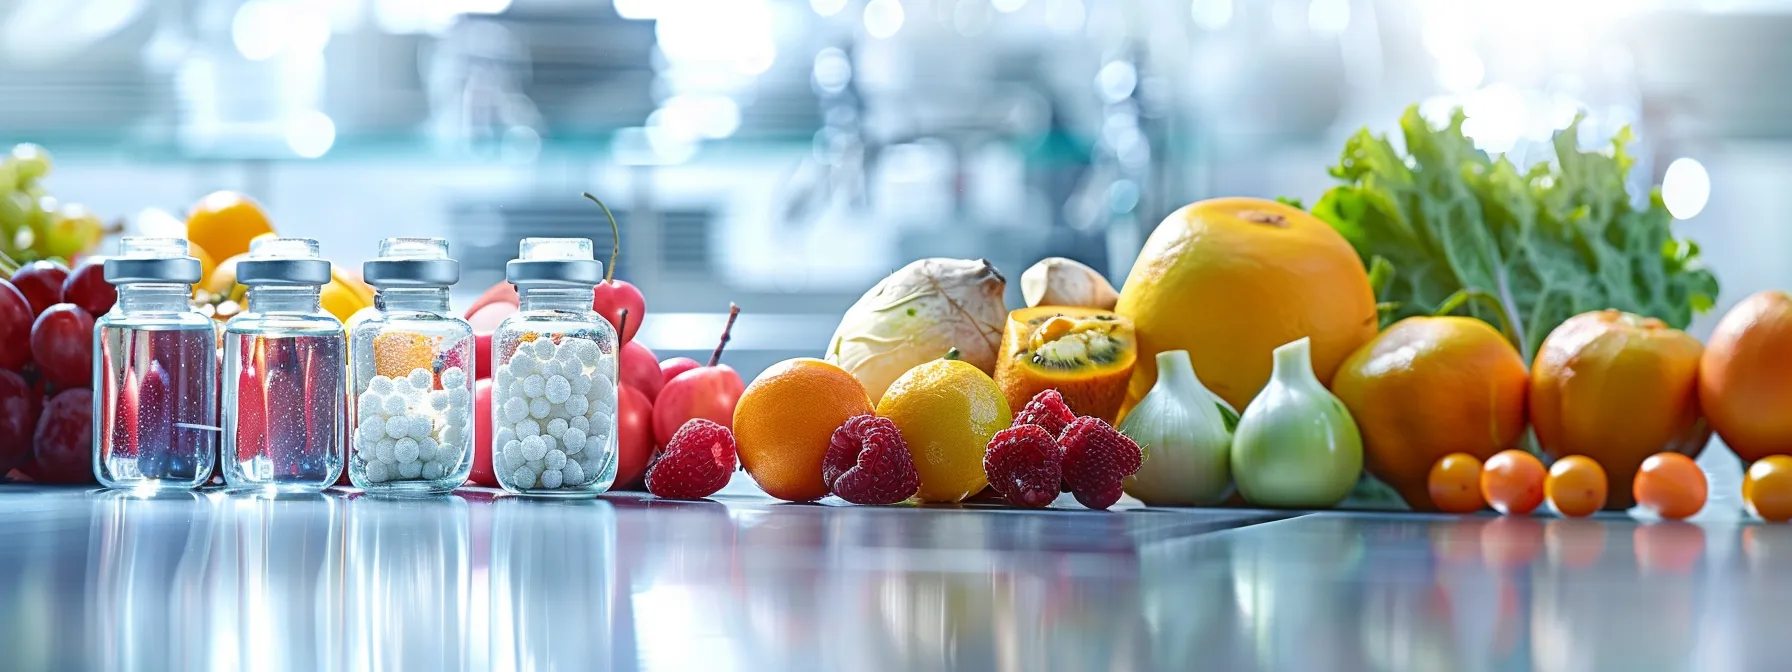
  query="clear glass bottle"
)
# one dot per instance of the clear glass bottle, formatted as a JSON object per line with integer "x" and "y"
{"x": 411, "y": 375}
{"x": 554, "y": 381}
{"x": 285, "y": 361}
{"x": 155, "y": 417}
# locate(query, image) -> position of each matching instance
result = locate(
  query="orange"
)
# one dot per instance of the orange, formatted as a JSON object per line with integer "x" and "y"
{"x": 1617, "y": 388}
{"x": 784, "y": 420}
{"x": 1455, "y": 484}
{"x": 1428, "y": 387}
{"x": 1512, "y": 482}
{"x": 397, "y": 353}
{"x": 1767, "y": 488}
{"x": 1576, "y": 486}
{"x": 1231, "y": 279}
{"x": 1745, "y": 377}
{"x": 1671, "y": 485}
{"x": 224, "y": 222}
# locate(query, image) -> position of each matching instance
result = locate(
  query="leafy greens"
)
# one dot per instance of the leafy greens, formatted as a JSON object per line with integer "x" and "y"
{"x": 1445, "y": 227}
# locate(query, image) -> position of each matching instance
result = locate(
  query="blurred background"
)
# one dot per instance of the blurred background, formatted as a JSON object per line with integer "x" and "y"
{"x": 785, "y": 154}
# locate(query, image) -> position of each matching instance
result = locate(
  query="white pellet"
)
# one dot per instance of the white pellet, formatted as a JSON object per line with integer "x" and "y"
{"x": 554, "y": 459}
{"x": 544, "y": 348}
{"x": 515, "y": 409}
{"x": 504, "y": 435}
{"x": 393, "y": 405}
{"x": 385, "y": 449}
{"x": 454, "y": 377}
{"x": 550, "y": 478}
{"x": 459, "y": 397}
{"x": 577, "y": 406}
{"x": 397, "y": 427}
{"x": 438, "y": 400}
{"x": 378, "y": 472}
{"x": 557, "y": 389}
{"x": 522, "y": 364}
{"x": 405, "y": 450}
{"x": 410, "y": 469}
{"x": 522, "y": 478}
{"x": 539, "y": 407}
{"x": 513, "y": 451}
{"x": 527, "y": 428}
{"x": 501, "y": 464}
{"x": 551, "y": 369}
{"x": 370, "y": 404}
{"x": 421, "y": 379}
{"x": 427, "y": 449}
{"x": 602, "y": 388}
{"x": 534, "y": 385}
{"x": 454, "y": 435}
{"x": 504, "y": 377}
{"x": 600, "y": 424}
{"x": 581, "y": 384}
{"x": 557, "y": 427}
{"x": 572, "y": 473}
{"x": 579, "y": 422}
{"x": 372, "y": 428}
{"x": 573, "y": 440}
{"x": 433, "y": 470}
{"x": 586, "y": 351}
{"x": 534, "y": 448}
{"x": 380, "y": 385}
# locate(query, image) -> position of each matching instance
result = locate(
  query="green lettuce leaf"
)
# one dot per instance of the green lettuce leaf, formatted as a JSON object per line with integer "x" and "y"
{"x": 1447, "y": 228}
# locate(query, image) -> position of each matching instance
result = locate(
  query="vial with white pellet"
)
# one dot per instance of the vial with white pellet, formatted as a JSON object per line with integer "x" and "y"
{"x": 554, "y": 381}
{"x": 411, "y": 375}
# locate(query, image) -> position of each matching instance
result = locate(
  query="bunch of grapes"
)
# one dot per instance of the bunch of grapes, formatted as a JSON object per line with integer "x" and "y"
{"x": 33, "y": 225}
{"x": 46, "y": 326}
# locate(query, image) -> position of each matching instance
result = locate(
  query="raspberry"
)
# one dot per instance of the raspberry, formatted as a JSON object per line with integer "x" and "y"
{"x": 868, "y": 462}
{"x": 1024, "y": 463}
{"x": 1048, "y": 410}
{"x": 1096, "y": 458}
{"x": 695, "y": 464}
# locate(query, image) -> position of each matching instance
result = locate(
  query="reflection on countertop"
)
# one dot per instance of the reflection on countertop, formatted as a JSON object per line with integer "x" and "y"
{"x": 480, "y": 580}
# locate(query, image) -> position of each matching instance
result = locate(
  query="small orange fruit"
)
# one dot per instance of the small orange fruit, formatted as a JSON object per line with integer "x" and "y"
{"x": 1576, "y": 486}
{"x": 224, "y": 222}
{"x": 1455, "y": 484}
{"x": 1671, "y": 485}
{"x": 1617, "y": 387}
{"x": 1745, "y": 377}
{"x": 1512, "y": 482}
{"x": 1767, "y": 488}
{"x": 784, "y": 420}
{"x": 1428, "y": 387}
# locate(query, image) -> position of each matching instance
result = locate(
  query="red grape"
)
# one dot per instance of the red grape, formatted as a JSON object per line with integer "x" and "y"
{"x": 16, "y": 421}
{"x": 15, "y": 326}
{"x": 87, "y": 288}
{"x": 62, "y": 343}
{"x": 41, "y": 283}
{"x": 63, "y": 446}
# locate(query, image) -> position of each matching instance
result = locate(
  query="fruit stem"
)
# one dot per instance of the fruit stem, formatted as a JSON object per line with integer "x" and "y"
{"x": 622, "y": 320}
{"x": 615, "y": 237}
{"x": 953, "y": 354}
{"x": 8, "y": 265}
{"x": 733, "y": 312}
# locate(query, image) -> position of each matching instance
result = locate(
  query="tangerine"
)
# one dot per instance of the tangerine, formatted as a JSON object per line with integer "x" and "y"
{"x": 1576, "y": 486}
{"x": 1671, "y": 485}
{"x": 224, "y": 222}
{"x": 1745, "y": 376}
{"x": 784, "y": 420}
{"x": 1767, "y": 488}
{"x": 1512, "y": 482}
{"x": 1455, "y": 484}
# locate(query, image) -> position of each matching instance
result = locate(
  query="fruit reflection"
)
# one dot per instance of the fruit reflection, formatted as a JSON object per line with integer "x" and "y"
{"x": 1618, "y": 611}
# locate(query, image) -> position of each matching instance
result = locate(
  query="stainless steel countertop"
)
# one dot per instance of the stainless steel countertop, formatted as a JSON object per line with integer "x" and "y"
{"x": 478, "y": 580}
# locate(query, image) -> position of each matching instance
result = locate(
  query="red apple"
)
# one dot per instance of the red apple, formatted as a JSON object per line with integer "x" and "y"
{"x": 670, "y": 368}
{"x": 613, "y": 296}
{"x": 482, "y": 435}
{"x": 634, "y": 437}
{"x": 707, "y": 392}
{"x": 640, "y": 371}
{"x": 503, "y": 292}
{"x": 484, "y": 322}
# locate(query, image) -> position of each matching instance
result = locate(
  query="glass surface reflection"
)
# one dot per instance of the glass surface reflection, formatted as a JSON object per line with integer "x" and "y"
{"x": 148, "y": 558}
{"x": 551, "y": 573}
{"x": 276, "y": 593}
{"x": 409, "y": 583}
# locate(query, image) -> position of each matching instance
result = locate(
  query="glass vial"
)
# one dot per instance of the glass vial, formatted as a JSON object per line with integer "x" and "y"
{"x": 285, "y": 361}
{"x": 155, "y": 417}
{"x": 411, "y": 375}
{"x": 554, "y": 376}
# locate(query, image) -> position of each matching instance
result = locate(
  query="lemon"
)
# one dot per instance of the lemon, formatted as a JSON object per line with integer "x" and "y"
{"x": 947, "y": 410}
{"x": 225, "y": 222}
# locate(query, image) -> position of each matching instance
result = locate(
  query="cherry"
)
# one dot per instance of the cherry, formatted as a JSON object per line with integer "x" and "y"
{"x": 41, "y": 283}
{"x": 15, "y": 327}
{"x": 62, "y": 344}
{"x": 63, "y": 444}
{"x": 87, "y": 288}
{"x": 670, "y": 368}
{"x": 614, "y": 298}
{"x": 640, "y": 370}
